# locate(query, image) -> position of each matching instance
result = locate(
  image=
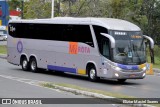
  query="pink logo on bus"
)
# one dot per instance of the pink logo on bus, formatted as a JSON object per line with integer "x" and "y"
{"x": 82, "y": 49}
{"x": 75, "y": 49}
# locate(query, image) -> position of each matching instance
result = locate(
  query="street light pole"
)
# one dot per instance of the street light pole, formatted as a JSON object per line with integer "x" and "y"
{"x": 22, "y": 9}
{"x": 52, "y": 11}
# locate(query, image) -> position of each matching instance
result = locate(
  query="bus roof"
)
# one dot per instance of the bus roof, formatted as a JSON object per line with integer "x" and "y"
{"x": 109, "y": 23}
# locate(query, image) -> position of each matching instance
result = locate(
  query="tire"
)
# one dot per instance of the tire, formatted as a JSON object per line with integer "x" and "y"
{"x": 121, "y": 80}
{"x": 33, "y": 65}
{"x": 92, "y": 73}
{"x": 24, "y": 64}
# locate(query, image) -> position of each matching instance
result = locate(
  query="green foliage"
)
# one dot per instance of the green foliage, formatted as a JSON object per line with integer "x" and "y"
{"x": 3, "y": 49}
{"x": 36, "y": 9}
{"x": 157, "y": 56}
{"x": 13, "y": 4}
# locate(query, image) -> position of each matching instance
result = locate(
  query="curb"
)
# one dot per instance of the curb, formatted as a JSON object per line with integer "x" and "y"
{"x": 96, "y": 95}
{"x": 3, "y": 56}
{"x": 156, "y": 70}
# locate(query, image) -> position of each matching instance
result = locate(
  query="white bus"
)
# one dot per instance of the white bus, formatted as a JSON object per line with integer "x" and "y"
{"x": 97, "y": 47}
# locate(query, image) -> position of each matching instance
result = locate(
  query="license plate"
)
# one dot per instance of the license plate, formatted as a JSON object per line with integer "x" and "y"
{"x": 132, "y": 75}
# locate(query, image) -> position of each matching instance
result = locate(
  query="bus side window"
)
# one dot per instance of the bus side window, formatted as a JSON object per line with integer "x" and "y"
{"x": 83, "y": 34}
{"x": 15, "y": 30}
{"x": 68, "y": 33}
{"x": 103, "y": 43}
{"x": 77, "y": 33}
{"x": 105, "y": 48}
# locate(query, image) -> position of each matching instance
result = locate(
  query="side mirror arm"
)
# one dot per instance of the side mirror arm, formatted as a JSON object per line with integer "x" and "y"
{"x": 112, "y": 40}
{"x": 150, "y": 40}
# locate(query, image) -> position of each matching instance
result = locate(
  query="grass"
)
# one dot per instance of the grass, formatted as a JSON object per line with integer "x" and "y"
{"x": 117, "y": 95}
{"x": 3, "y": 49}
{"x": 111, "y": 94}
{"x": 156, "y": 57}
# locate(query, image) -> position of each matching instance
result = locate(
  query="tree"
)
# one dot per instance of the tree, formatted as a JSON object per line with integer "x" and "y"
{"x": 13, "y": 4}
{"x": 37, "y": 9}
{"x": 151, "y": 9}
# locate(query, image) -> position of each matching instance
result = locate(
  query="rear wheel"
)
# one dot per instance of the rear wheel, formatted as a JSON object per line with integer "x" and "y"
{"x": 33, "y": 65}
{"x": 24, "y": 64}
{"x": 92, "y": 73}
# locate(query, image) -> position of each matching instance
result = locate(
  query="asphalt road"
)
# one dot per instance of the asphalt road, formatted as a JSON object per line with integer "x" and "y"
{"x": 16, "y": 89}
{"x": 148, "y": 87}
{"x": 22, "y": 86}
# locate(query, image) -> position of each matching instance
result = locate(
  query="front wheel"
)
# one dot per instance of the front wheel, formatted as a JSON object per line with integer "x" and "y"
{"x": 92, "y": 73}
{"x": 33, "y": 65}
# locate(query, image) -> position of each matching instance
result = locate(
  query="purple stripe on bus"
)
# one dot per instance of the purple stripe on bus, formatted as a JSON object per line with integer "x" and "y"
{"x": 63, "y": 69}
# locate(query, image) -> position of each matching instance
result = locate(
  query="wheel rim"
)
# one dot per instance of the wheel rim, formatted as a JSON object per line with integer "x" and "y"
{"x": 92, "y": 73}
{"x": 33, "y": 65}
{"x": 24, "y": 64}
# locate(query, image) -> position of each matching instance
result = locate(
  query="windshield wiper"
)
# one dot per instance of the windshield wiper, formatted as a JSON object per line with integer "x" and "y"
{"x": 136, "y": 53}
{"x": 141, "y": 44}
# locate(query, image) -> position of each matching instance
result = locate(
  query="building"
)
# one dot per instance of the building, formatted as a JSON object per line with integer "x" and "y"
{"x": 4, "y": 17}
{"x": 14, "y": 14}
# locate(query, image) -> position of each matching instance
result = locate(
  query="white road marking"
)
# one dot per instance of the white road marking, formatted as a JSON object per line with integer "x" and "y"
{"x": 28, "y": 81}
{"x": 130, "y": 86}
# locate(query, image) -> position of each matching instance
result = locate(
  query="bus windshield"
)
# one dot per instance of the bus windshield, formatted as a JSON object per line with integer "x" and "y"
{"x": 130, "y": 48}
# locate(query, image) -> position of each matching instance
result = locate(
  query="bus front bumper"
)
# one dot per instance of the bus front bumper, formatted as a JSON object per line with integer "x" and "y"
{"x": 131, "y": 74}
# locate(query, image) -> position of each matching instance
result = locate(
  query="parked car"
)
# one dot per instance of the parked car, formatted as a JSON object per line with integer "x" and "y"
{"x": 3, "y": 37}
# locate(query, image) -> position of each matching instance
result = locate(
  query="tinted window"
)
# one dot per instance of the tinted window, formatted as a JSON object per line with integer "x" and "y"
{"x": 77, "y": 33}
{"x": 15, "y": 30}
{"x": 101, "y": 40}
{"x": 74, "y": 33}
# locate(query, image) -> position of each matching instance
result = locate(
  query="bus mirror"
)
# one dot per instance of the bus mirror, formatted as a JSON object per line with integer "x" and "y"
{"x": 112, "y": 40}
{"x": 150, "y": 40}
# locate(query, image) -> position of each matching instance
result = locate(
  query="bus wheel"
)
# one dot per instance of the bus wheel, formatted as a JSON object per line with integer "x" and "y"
{"x": 24, "y": 64}
{"x": 121, "y": 80}
{"x": 92, "y": 74}
{"x": 33, "y": 65}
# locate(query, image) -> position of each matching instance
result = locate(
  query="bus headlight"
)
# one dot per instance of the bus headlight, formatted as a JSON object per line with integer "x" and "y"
{"x": 144, "y": 68}
{"x": 118, "y": 69}
{"x": 116, "y": 74}
{"x": 144, "y": 74}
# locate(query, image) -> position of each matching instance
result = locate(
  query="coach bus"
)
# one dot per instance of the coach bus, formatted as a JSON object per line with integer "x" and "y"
{"x": 96, "y": 47}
